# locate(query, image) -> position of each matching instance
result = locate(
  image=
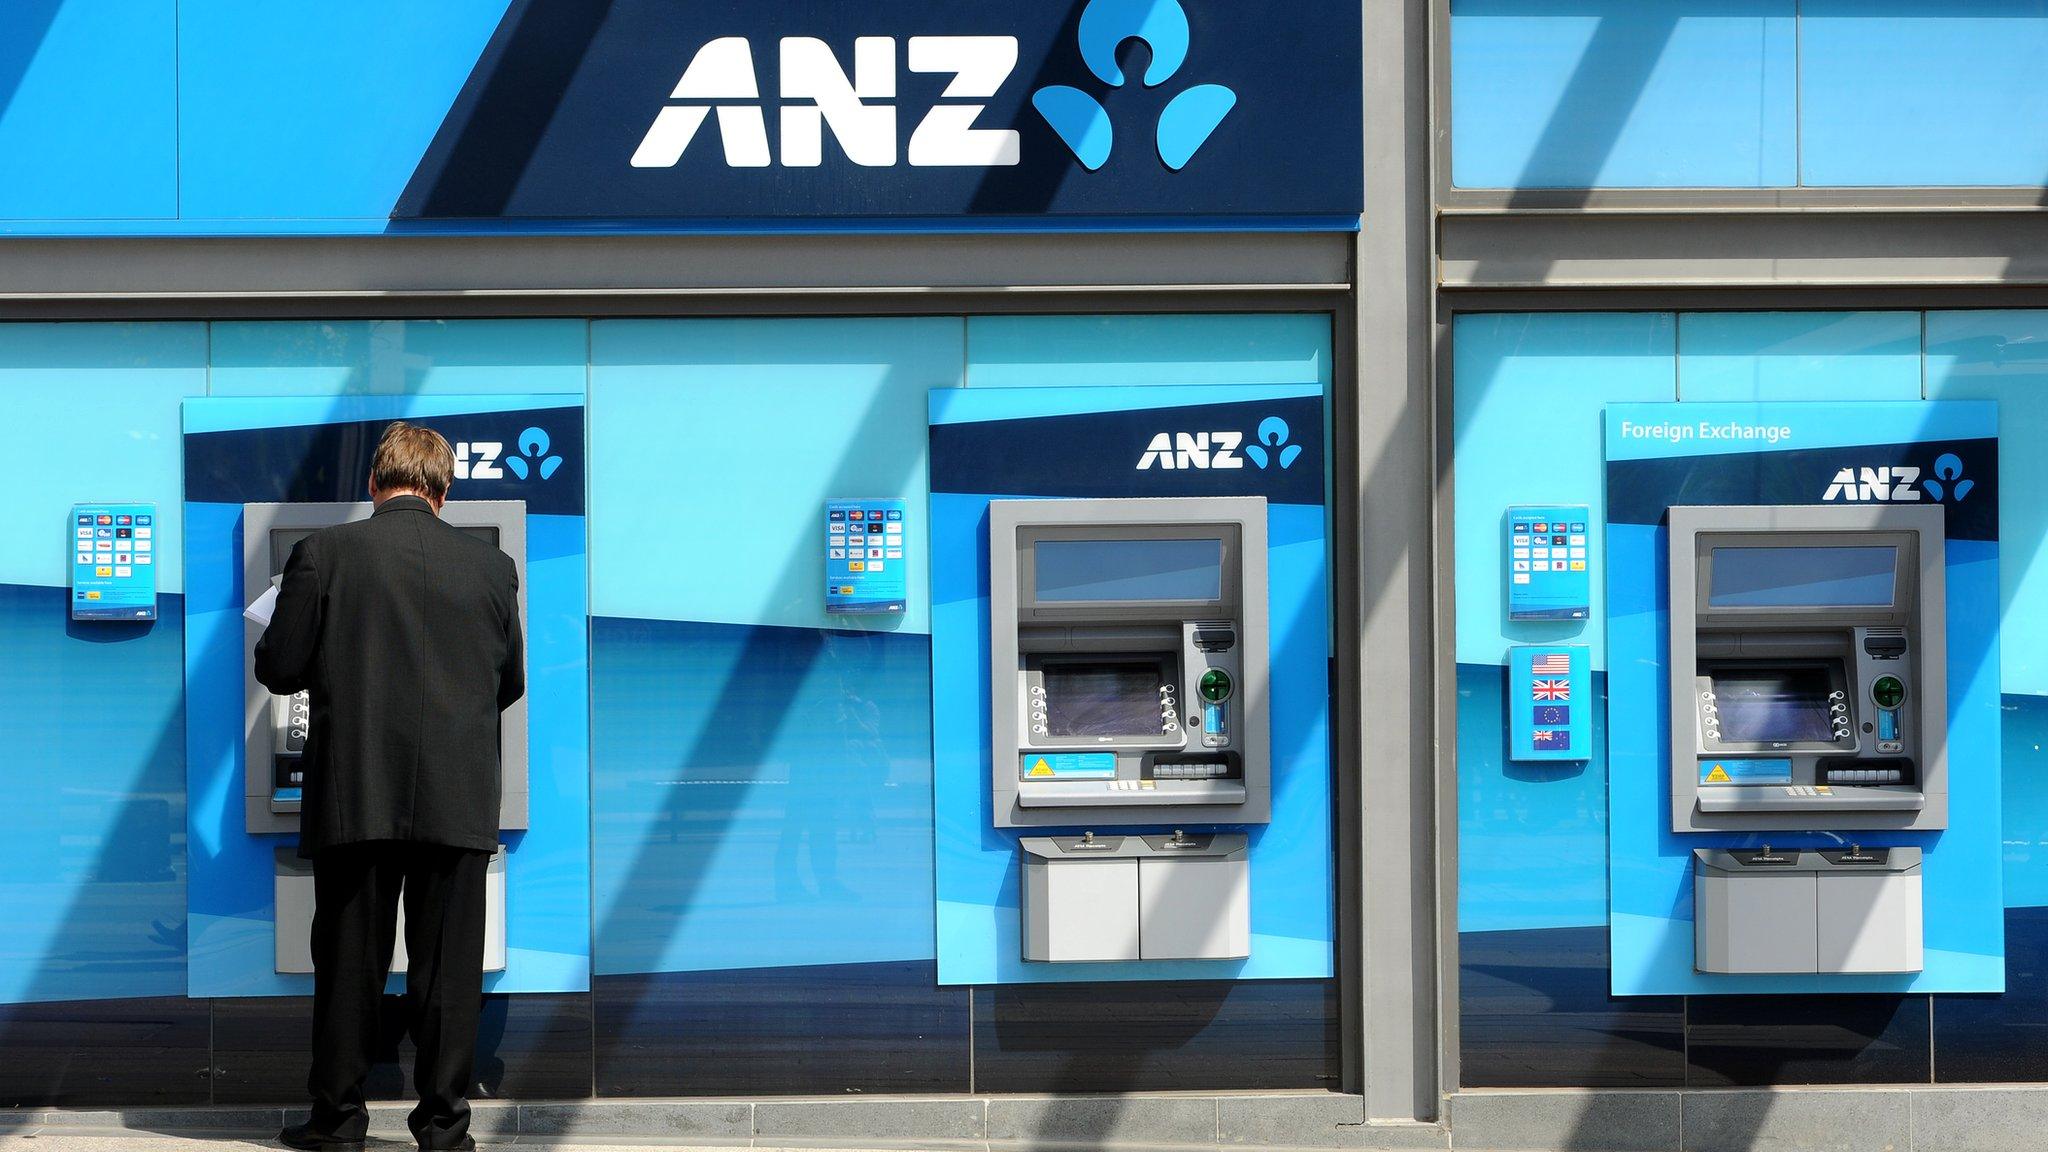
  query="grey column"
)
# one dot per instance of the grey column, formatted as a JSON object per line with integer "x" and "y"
{"x": 1390, "y": 904}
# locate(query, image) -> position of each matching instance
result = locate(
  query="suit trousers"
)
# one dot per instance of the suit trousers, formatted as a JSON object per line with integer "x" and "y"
{"x": 356, "y": 889}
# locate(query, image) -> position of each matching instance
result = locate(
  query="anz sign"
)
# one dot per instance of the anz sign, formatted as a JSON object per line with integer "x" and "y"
{"x": 862, "y": 113}
{"x": 1016, "y": 110}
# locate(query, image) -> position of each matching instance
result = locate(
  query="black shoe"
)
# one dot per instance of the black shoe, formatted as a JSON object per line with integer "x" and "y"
{"x": 310, "y": 1139}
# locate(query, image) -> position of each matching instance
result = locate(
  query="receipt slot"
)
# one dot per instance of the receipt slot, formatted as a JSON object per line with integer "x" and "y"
{"x": 277, "y": 727}
{"x": 1808, "y": 668}
{"x": 1127, "y": 649}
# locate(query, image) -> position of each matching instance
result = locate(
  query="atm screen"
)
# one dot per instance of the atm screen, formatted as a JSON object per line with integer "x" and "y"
{"x": 1123, "y": 570}
{"x": 1103, "y": 698}
{"x": 1803, "y": 577}
{"x": 1774, "y": 706}
{"x": 283, "y": 540}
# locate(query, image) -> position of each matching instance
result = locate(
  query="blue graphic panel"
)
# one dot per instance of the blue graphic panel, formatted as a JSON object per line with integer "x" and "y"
{"x": 397, "y": 357}
{"x": 763, "y": 796}
{"x": 2003, "y": 356}
{"x": 1905, "y": 92}
{"x": 88, "y": 110}
{"x": 1549, "y": 705}
{"x": 92, "y": 869}
{"x": 727, "y": 392}
{"x": 1799, "y": 356}
{"x": 100, "y": 405}
{"x": 1649, "y": 865}
{"x": 1532, "y": 837}
{"x": 1527, "y": 415}
{"x": 244, "y": 450}
{"x": 1072, "y": 454}
{"x": 1622, "y": 93}
{"x": 1119, "y": 351}
{"x": 113, "y": 561}
{"x": 315, "y": 111}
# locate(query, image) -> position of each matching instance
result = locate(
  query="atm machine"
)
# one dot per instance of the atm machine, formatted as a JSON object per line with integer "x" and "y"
{"x": 276, "y": 727}
{"x": 1808, "y": 694}
{"x": 1127, "y": 658}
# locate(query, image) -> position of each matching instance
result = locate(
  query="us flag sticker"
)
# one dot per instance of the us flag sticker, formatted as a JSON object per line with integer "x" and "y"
{"x": 1551, "y": 664}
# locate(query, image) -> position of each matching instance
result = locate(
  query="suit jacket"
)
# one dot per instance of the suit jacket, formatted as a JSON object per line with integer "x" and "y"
{"x": 405, "y": 632}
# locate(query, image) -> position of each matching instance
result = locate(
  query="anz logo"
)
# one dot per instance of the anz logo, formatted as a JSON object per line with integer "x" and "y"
{"x": 861, "y": 112}
{"x": 1896, "y": 483}
{"x": 1173, "y": 450}
{"x": 485, "y": 459}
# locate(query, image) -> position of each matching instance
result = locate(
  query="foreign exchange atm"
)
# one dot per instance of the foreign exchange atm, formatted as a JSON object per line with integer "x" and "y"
{"x": 1808, "y": 694}
{"x": 277, "y": 726}
{"x": 1127, "y": 649}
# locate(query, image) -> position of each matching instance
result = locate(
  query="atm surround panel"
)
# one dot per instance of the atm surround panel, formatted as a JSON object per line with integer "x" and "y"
{"x": 1808, "y": 667}
{"x": 1128, "y": 661}
{"x": 268, "y": 533}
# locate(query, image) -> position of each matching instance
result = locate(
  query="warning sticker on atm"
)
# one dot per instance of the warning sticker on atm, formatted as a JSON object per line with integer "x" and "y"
{"x": 1767, "y": 771}
{"x": 1070, "y": 766}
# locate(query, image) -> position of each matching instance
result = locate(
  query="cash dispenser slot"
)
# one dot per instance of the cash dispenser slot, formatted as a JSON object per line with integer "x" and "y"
{"x": 1833, "y": 911}
{"x": 1172, "y": 896}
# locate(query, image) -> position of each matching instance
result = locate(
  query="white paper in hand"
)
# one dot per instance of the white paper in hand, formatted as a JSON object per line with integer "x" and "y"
{"x": 265, "y": 604}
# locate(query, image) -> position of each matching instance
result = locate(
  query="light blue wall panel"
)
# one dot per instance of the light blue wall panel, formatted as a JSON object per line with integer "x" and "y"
{"x": 1068, "y": 351}
{"x": 1528, "y": 394}
{"x": 398, "y": 357}
{"x": 92, "y": 414}
{"x": 302, "y": 110}
{"x": 2003, "y": 356}
{"x": 1799, "y": 356}
{"x": 88, "y": 109}
{"x": 1622, "y": 93}
{"x": 715, "y": 444}
{"x": 1923, "y": 92}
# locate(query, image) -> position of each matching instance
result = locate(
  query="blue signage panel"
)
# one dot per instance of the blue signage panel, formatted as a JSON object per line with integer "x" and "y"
{"x": 998, "y": 114}
{"x": 867, "y": 569}
{"x": 1547, "y": 558}
{"x": 113, "y": 561}
{"x": 1550, "y": 705}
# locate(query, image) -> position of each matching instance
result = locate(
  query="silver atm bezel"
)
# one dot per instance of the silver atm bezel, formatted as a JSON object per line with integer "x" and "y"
{"x": 1921, "y": 609}
{"x": 259, "y": 521}
{"x": 1139, "y": 518}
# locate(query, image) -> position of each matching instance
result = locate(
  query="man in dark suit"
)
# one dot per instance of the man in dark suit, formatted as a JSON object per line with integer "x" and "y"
{"x": 405, "y": 632}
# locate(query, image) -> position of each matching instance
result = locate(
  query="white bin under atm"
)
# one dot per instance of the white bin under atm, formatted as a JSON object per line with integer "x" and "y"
{"x": 1136, "y": 897}
{"x": 1829, "y": 911}
{"x": 293, "y": 887}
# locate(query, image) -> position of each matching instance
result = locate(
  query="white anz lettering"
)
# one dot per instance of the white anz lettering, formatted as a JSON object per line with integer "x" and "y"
{"x": 946, "y": 137}
{"x": 1159, "y": 451}
{"x": 860, "y": 110}
{"x": 1226, "y": 445}
{"x": 810, "y": 72}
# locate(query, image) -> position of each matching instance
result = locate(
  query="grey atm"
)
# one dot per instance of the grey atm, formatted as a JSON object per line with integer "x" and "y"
{"x": 1808, "y": 693}
{"x": 277, "y": 726}
{"x": 1127, "y": 641}
{"x": 1808, "y": 686}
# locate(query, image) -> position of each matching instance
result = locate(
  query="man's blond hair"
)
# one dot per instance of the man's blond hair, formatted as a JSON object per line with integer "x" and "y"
{"x": 413, "y": 458}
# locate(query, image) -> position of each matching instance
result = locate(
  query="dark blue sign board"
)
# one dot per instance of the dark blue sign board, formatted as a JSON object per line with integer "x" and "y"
{"x": 907, "y": 113}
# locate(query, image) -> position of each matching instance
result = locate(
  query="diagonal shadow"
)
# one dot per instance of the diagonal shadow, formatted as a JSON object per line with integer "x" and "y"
{"x": 22, "y": 29}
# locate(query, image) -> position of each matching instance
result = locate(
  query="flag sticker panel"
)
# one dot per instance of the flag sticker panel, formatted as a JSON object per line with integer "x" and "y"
{"x": 1542, "y": 681}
